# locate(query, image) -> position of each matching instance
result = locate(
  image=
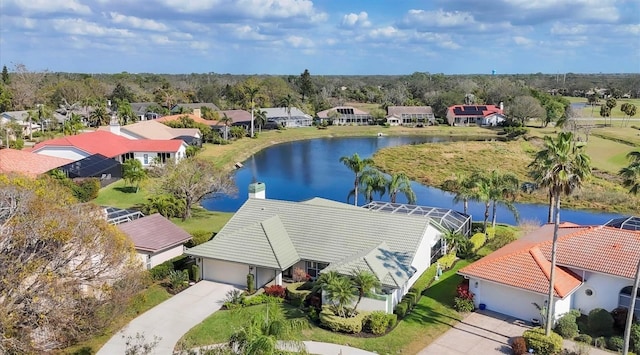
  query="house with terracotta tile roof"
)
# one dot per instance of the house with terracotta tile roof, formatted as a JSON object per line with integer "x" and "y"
{"x": 595, "y": 269}
{"x": 28, "y": 163}
{"x": 112, "y": 146}
{"x": 155, "y": 238}
{"x": 464, "y": 115}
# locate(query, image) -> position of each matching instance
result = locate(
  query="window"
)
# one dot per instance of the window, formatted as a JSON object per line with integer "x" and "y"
{"x": 146, "y": 159}
{"x": 313, "y": 268}
{"x": 588, "y": 292}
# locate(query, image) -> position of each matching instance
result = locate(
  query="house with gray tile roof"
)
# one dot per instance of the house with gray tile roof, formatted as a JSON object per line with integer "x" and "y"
{"x": 282, "y": 116}
{"x": 270, "y": 238}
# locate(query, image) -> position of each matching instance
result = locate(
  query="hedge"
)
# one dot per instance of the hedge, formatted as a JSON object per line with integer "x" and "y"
{"x": 542, "y": 344}
{"x": 401, "y": 309}
{"x": 446, "y": 261}
{"x": 478, "y": 241}
{"x": 295, "y": 296}
{"x": 339, "y": 324}
{"x": 260, "y": 299}
{"x": 378, "y": 322}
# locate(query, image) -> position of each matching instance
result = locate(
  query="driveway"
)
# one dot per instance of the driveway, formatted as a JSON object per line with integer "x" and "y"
{"x": 171, "y": 319}
{"x": 481, "y": 332}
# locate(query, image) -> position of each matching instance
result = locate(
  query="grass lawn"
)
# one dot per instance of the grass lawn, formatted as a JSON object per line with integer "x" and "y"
{"x": 431, "y": 317}
{"x": 120, "y": 195}
{"x": 594, "y": 111}
{"x": 203, "y": 220}
{"x": 146, "y": 300}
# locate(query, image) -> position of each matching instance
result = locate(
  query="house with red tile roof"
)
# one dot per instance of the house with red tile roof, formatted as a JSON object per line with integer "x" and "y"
{"x": 28, "y": 163}
{"x": 155, "y": 238}
{"x": 112, "y": 146}
{"x": 463, "y": 115}
{"x": 595, "y": 269}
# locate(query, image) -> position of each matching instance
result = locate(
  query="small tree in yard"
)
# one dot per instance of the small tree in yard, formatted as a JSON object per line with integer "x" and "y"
{"x": 133, "y": 172}
{"x": 193, "y": 179}
{"x": 364, "y": 281}
{"x": 340, "y": 291}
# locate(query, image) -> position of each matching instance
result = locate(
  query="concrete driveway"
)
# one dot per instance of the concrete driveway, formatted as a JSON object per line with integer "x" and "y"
{"x": 171, "y": 319}
{"x": 481, "y": 332}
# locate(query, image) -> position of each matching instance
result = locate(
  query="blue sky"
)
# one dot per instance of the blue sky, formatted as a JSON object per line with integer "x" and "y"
{"x": 324, "y": 36}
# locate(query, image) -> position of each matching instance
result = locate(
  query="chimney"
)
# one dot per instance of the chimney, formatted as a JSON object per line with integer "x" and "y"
{"x": 501, "y": 106}
{"x": 197, "y": 112}
{"x": 114, "y": 125}
{"x": 257, "y": 190}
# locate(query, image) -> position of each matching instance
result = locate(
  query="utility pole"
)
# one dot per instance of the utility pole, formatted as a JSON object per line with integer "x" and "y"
{"x": 627, "y": 329}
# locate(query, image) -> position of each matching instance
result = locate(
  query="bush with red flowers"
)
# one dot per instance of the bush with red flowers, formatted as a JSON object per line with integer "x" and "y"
{"x": 275, "y": 291}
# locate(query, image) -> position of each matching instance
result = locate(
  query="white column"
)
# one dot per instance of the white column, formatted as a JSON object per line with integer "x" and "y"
{"x": 278, "y": 279}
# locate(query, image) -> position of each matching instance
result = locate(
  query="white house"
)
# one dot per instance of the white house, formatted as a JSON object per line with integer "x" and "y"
{"x": 595, "y": 269}
{"x": 155, "y": 238}
{"x": 270, "y": 238}
{"x": 113, "y": 146}
{"x": 493, "y": 119}
{"x": 292, "y": 117}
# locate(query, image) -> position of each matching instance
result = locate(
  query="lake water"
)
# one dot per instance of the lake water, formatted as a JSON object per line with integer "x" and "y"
{"x": 302, "y": 170}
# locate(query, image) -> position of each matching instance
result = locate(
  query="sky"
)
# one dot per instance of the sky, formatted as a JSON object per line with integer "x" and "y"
{"x": 339, "y": 37}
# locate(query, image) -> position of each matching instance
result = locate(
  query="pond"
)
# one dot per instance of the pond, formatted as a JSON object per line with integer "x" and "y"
{"x": 302, "y": 170}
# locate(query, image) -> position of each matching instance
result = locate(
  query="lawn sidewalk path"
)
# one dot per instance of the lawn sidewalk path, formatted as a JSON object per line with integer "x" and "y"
{"x": 171, "y": 319}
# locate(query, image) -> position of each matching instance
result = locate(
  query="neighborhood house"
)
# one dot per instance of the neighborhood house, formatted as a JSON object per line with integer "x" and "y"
{"x": 458, "y": 115}
{"x": 270, "y": 238}
{"x": 595, "y": 269}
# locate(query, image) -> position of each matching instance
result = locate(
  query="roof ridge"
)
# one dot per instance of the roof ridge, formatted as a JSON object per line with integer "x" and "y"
{"x": 266, "y": 234}
{"x": 580, "y": 230}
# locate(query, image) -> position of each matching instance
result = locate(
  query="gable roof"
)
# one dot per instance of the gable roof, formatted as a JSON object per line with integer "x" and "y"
{"x": 236, "y": 115}
{"x": 342, "y": 110}
{"x": 317, "y": 231}
{"x": 274, "y": 112}
{"x": 154, "y": 233}
{"x": 525, "y": 263}
{"x": 140, "y": 108}
{"x": 28, "y": 163}
{"x": 195, "y": 106}
{"x": 109, "y": 144}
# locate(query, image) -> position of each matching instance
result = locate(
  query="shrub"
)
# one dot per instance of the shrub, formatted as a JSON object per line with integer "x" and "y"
{"x": 378, "y": 322}
{"x": 417, "y": 294}
{"x": 159, "y": 272}
{"x": 463, "y": 305}
{"x": 542, "y": 344}
{"x": 446, "y": 261}
{"x": 519, "y": 346}
{"x": 199, "y": 237}
{"x": 477, "y": 240}
{"x": 600, "y": 342}
{"x": 464, "y": 249}
{"x": 178, "y": 279}
{"x": 195, "y": 273}
{"x": 275, "y": 291}
{"x": 615, "y": 343}
{"x": 295, "y": 295}
{"x": 502, "y": 238}
{"x": 339, "y": 324}
{"x": 410, "y": 298}
{"x": 251, "y": 284}
{"x": 584, "y": 338}
{"x": 462, "y": 291}
{"x": 233, "y": 299}
{"x": 567, "y": 326}
{"x": 260, "y": 299}
{"x": 17, "y": 144}
{"x": 635, "y": 338}
{"x": 401, "y": 309}
{"x": 600, "y": 322}
{"x": 619, "y": 315}
{"x": 300, "y": 275}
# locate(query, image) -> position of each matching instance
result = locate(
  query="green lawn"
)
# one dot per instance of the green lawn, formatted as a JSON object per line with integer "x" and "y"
{"x": 203, "y": 220}
{"x": 146, "y": 300}
{"x": 120, "y": 195}
{"x": 431, "y": 317}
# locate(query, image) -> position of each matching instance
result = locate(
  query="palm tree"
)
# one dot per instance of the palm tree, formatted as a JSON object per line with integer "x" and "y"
{"x": 364, "y": 281}
{"x": 462, "y": 187}
{"x": 264, "y": 331}
{"x": 631, "y": 173}
{"x": 341, "y": 292}
{"x": 483, "y": 192}
{"x": 562, "y": 166}
{"x": 371, "y": 181}
{"x": 99, "y": 116}
{"x": 505, "y": 189}
{"x": 31, "y": 115}
{"x": 400, "y": 183}
{"x": 133, "y": 172}
{"x": 451, "y": 239}
{"x": 287, "y": 102}
{"x": 323, "y": 280}
{"x": 260, "y": 117}
{"x": 357, "y": 165}
{"x": 251, "y": 92}
{"x": 226, "y": 122}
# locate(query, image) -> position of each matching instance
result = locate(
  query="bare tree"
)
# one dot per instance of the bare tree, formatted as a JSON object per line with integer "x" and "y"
{"x": 193, "y": 179}
{"x": 24, "y": 86}
{"x": 65, "y": 272}
{"x": 524, "y": 108}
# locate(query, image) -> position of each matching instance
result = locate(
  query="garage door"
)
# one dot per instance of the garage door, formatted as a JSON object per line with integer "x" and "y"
{"x": 509, "y": 301}
{"x": 225, "y": 272}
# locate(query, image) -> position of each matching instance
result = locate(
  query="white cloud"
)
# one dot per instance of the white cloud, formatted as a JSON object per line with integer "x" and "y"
{"x": 49, "y": 6}
{"x": 136, "y": 22}
{"x": 439, "y": 18}
{"x": 564, "y": 29}
{"x": 84, "y": 28}
{"x": 161, "y": 39}
{"x": 246, "y": 32}
{"x": 523, "y": 41}
{"x": 385, "y": 32}
{"x": 252, "y": 9}
{"x": 298, "y": 42}
{"x": 356, "y": 20}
